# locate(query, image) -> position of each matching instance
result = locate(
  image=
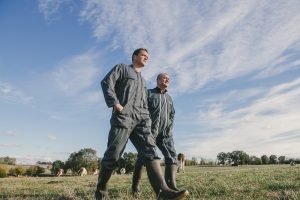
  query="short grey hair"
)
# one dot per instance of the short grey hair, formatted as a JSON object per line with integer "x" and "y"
{"x": 161, "y": 74}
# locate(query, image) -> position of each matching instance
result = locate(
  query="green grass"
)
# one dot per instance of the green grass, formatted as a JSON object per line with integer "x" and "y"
{"x": 242, "y": 182}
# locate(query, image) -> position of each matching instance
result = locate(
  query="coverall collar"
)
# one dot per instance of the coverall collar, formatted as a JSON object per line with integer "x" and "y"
{"x": 160, "y": 91}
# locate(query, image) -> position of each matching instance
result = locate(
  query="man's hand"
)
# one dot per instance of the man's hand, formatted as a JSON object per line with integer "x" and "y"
{"x": 119, "y": 107}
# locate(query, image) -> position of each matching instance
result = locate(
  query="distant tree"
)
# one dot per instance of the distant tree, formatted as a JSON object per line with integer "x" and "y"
{"x": 84, "y": 158}
{"x": 194, "y": 160}
{"x": 210, "y": 162}
{"x": 202, "y": 161}
{"x": 19, "y": 170}
{"x": 56, "y": 165}
{"x": 3, "y": 172}
{"x": 7, "y": 160}
{"x": 12, "y": 161}
{"x": 127, "y": 161}
{"x": 34, "y": 171}
{"x": 40, "y": 170}
{"x": 43, "y": 163}
{"x": 281, "y": 159}
{"x": 31, "y": 171}
{"x": 255, "y": 160}
{"x": 273, "y": 159}
{"x": 191, "y": 162}
{"x": 265, "y": 159}
{"x": 239, "y": 157}
{"x": 12, "y": 172}
{"x": 222, "y": 158}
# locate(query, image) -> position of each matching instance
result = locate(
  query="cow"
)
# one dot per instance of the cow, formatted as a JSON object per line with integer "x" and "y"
{"x": 96, "y": 172}
{"x": 181, "y": 159}
{"x": 82, "y": 171}
{"x": 122, "y": 171}
{"x": 60, "y": 172}
{"x": 292, "y": 163}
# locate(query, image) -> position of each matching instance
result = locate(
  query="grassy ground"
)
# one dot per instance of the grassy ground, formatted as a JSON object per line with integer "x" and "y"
{"x": 243, "y": 182}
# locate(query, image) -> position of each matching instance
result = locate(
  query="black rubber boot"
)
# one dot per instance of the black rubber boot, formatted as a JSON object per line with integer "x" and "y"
{"x": 170, "y": 176}
{"x": 102, "y": 189}
{"x": 159, "y": 185}
{"x": 137, "y": 174}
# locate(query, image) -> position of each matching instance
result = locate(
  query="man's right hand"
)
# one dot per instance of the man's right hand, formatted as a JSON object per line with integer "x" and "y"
{"x": 119, "y": 107}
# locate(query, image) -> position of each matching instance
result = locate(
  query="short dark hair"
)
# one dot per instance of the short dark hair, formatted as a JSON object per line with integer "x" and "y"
{"x": 137, "y": 51}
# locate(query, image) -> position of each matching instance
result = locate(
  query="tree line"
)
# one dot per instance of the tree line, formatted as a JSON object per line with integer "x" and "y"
{"x": 88, "y": 158}
{"x": 7, "y": 160}
{"x": 20, "y": 171}
{"x": 239, "y": 157}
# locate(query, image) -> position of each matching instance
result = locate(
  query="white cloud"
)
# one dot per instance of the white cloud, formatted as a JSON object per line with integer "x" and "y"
{"x": 14, "y": 95}
{"x": 94, "y": 97}
{"x": 10, "y": 145}
{"x": 50, "y": 7}
{"x": 8, "y": 133}
{"x": 76, "y": 74}
{"x": 279, "y": 66}
{"x": 200, "y": 44}
{"x": 51, "y": 137}
{"x": 31, "y": 159}
{"x": 199, "y": 41}
{"x": 254, "y": 128}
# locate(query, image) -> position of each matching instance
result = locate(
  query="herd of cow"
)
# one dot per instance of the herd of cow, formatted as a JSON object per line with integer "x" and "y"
{"x": 83, "y": 172}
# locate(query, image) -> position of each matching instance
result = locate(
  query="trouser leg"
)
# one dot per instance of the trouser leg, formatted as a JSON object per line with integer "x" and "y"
{"x": 136, "y": 177}
{"x": 166, "y": 144}
{"x": 117, "y": 139}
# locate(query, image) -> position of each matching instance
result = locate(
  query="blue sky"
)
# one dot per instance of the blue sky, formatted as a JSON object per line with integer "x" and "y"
{"x": 234, "y": 68}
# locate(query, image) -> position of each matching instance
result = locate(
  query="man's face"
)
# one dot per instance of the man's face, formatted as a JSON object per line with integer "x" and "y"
{"x": 141, "y": 59}
{"x": 163, "y": 81}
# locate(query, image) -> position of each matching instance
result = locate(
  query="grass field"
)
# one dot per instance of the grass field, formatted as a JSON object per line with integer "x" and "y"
{"x": 242, "y": 182}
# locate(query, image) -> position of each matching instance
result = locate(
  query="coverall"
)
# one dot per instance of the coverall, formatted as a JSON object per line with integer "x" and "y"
{"x": 127, "y": 87}
{"x": 162, "y": 115}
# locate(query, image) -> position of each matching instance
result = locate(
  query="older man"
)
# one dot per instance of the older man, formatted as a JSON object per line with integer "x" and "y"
{"x": 162, "y": 115}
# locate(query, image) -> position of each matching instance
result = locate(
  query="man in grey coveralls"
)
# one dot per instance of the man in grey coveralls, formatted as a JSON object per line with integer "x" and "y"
{"x": 162, "y": 115}
{"x": 125, "y": 91}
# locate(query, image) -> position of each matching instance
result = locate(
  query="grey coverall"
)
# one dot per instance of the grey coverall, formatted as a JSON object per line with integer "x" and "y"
{"x": 127, "y": 87}
{"x": 162, "y": 115}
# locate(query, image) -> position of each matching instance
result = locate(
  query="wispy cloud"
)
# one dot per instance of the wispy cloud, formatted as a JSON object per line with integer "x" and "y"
{"x": 52, "y": 137}
{"x": 205, "y": 40}
{"x": 76, "y": 74}
{"x": 202, "y": 45}
{"x": 10, "y": 145}
{"x": 254, "y": 128}
{"x": 12, "y": 94}
{"x": 51, "y": 7}
{"x": 33, "y": 158}
{"x": 8, "y": 133}
{"x": 281, "y": 65}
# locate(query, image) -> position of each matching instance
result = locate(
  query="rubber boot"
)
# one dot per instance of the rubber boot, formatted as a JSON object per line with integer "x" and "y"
{"x": 159, "y": 184}
{"x": 170, "y": 176}
{"x": 102, "y": 189}
{"x": 137, "y": 174}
